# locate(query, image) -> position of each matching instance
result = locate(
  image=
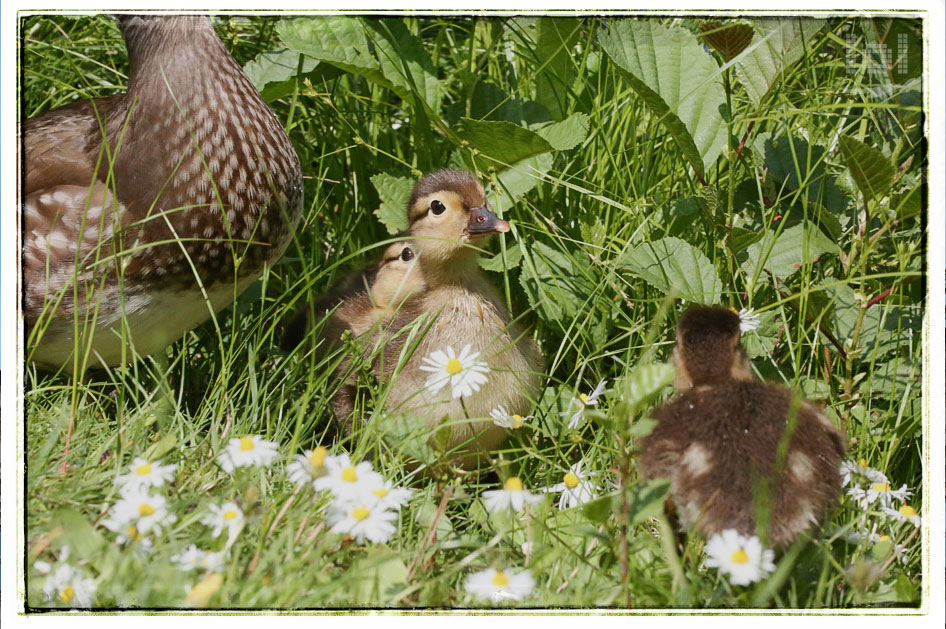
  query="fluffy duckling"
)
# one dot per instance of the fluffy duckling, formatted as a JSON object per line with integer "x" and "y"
{"x": 719, "y": 440}
{"x": 447, "y": 213}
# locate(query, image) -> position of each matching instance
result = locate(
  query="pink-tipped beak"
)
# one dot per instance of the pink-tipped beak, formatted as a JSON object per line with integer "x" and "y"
{"x": 483, "y": 221}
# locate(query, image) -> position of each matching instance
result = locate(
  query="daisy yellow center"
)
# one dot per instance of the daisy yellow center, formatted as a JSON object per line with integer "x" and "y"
{"x": 879, "y": 487}
{"x": 517, "y": 420}
{"x": 143, "y": 470}
{"x": 317, "y": 458}
{"x": 513, "y": 484}
{"x": 907, "y": 511}
{"x": 883, "y": 538}
{"x": 739, "y": 557}
{"x": 229, "y": 515}
{"x": 360, "y": 513}
{"x": 863, "y": 463}
{"x": 571, "y": 481}
{"x": 500, "y": 580}
{"x": 349, "y": 475}
{"x": 144, "y": 509}
{"x": 67, "y": 594}
{"x": 454, "y": 366}
{"x": 584, "y": 398}
{"x": 381, "y": 492}
{"x": 132, "y": 532}
{"x": 246, "y": 444}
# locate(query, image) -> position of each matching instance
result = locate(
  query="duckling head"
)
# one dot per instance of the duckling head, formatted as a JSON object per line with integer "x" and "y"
{"x": 447, "y": 211}
{"x": 708, "y": 350}
{"x": 397, "y": 278}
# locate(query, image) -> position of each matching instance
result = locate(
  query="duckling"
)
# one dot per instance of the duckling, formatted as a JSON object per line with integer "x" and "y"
{"x": 373, "y": 303}
{"x": 719, "y": 440}
{"x": 447, "y": 213}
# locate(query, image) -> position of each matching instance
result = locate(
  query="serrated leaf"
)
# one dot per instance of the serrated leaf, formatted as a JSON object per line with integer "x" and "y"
{"x": 502, "y": 141}
{"x": 555, "y": 283}
{"x": 872, "y": 171}
{"x": 644, "y": 382}
{"x": 785, "y": 254}
{"x": 727, "y": 39}
{"x": 497, "y": 264}
{"x": 336, "y": 39}
{"x": 488, "y": 101}
{"x": 566, "y": 134}
{"x": 405, "y": 63}
{"x": 598, "y": 510}
{"x": 795, "y": 162}
{"x": 555, "y": 40}
{"x": 672, "y": 264}
{"x": 395, "y": 192}
{"x": 515, "y": 181}
{"x": 778, "y": 44}
{"x": 677, "y": 79}
{"x": 273, "y": 72}
{"x": 647, "y": 499}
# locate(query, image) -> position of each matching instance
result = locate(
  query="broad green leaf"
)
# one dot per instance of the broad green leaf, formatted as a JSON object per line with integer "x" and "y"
{"x": 779, "y": 42}
{"x": 872, "y": 171}
{"x": 558, "y": 285}
{"x": 644, "y": 382}
{"x": 797, "y": 163}
{"x": 556, "y": 66}
{"x": 504, "y": 142}
{"x": 566, "y": 134}
{"x": 379, "y": 574}
{"x": 273, "y": 72}
{"x": 162, "y": 447}
{"x": 395, "y": 192}
{"x": 783, "y": 255}
{"x": 600, "y": 509}
{"x": 672, "y": 264}
{"x": 488, "y": 101}
{"x": 496, "y": 263}
{"x": 677, "y": 79}
{"x": 78, "y": 534}
{"x": 336, "y": 39}
{"x": 513, "y": 182}
{"x": 647, "y": 499}
{"x": 405, "y": 63}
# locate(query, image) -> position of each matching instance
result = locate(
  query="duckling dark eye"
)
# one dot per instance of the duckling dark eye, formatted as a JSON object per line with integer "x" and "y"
{"x": 407, "y": 254}
{"x": 437, "y": 207}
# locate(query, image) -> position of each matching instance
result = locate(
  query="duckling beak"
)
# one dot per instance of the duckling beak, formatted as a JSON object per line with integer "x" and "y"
{"x": 483, "y": 221}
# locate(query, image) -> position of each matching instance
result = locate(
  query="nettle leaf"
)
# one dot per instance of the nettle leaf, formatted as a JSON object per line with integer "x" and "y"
{"x": 395, "y": 193}
{"x": 670, "y": 264}
{"x": 273, "y": 72}
{"x": 566, "y": 134}
{"x": 778, "y": 44}
{"x": 872, "y": 171}
{"x": 555, "y": 41}
{"x": 336, "y": 39}
{"x": 405, "y": 63}
{"x": 644, "y": 382}
{"x": 488, "y": 101}
{"x": 511, "y": 183}
{"x": 501, "y": 141}
{"x": 496, "y": 263}
{"x": 795, "y": 162}
{"x": 677, "y": 79}
{"x": 556, "y": 284}
{"x": 784, "y": 254}
{"x": 647, "y": 499}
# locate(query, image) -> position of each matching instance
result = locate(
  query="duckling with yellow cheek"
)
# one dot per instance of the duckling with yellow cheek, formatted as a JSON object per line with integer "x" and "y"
{"x": 449, "y": 219}
{"x": 718, "y": 440}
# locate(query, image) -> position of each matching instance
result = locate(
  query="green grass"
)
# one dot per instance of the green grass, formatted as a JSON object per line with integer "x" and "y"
{"x": 842, "y": 326}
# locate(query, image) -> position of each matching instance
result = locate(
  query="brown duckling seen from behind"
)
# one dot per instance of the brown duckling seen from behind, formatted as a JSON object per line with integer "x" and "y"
{"x": 719, "y": 440}
{"x": 449, "y": 219}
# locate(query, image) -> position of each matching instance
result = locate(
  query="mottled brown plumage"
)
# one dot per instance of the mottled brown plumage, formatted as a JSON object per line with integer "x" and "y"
{"x": 448, "y": 213}
{"x": 718, "y": 441}
{"x": 135, "y": 203}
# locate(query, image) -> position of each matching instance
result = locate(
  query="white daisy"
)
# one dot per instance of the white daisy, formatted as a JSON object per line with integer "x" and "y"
{"x": 138, "y": 513}
{"x": 362, "y": 522}
{"x": 226, "y": 516}
{"x": 503, "y": 419}
{"x": 576, "y": 487}
{"x": 192, "y": 558}
{"x": 390, "y": 497}
{"x": 742, "y": 558}
{"x": 748, "y": 320}
{"x": 247, "y": 451}
{"x": 854, "y": 474}
{"x": 500, "y": 585}
{"x": 146, "y": 474}
{"x": 511, "y": 496}
{"x": 882, "y": 492}
{"x": 307, "y": 466}
{"x": 349, "y": 482}
{"x": 584, "y": 401}
{"x": 68, "y": 586}
{"x": 905, "y": 513}
{"x": 464, "y": 373}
